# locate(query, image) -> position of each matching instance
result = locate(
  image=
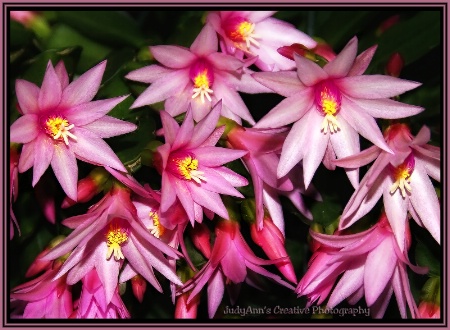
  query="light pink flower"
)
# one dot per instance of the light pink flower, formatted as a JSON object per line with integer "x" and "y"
{"x": 264, "y": 147}
{"x": 199, "y": 76}
{"x": 192, "y": 167}
{"x": 372, "y": 265}
{"x": 93, "y": 303}
{"x": 231, "y": 258}
{"x": 61, "y": 123}
{"x": 46, "y": 298}
{"x": 255, "y": 33}
{"x": 329, "y": 106}
{"x": 107, "y": 235}
{"x": 401, "y": 178}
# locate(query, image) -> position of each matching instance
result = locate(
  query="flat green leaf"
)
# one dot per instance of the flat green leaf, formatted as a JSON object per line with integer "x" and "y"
{"x": 19, "y": 36}
{"x": 113, "y": 28}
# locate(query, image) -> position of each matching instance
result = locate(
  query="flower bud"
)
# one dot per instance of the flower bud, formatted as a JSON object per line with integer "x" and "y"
{"x": 394, "y": 65}
{"x": 185, "y": 310}
{"x": 429, "y": 310}
{"x": 387, "y": 24}
{"x": 200, "y": 236}
{"x": 139, "y": 286}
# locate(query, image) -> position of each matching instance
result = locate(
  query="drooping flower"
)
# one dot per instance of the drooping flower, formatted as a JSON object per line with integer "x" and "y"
{"x": 107, "y": 235}
{"x": 402, "y": 178}
{"x": 329, "y": 106}
{"x": 61, "y": 123}
{"x": 13, "y": 187}
{"x": 93, "y": 303}
{"x": 45, "y": 297}
{"x": 231, "y": 259}
{"x": 372, "y": 265}
{"x": 264, "y": 147}
{"x": 255, "y": 33}
{"x": 199, "y": 76}
{"x": 192, "y": 167}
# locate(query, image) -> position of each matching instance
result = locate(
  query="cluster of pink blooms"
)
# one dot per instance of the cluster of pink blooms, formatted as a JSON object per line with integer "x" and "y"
{"x": 135, "y": 230}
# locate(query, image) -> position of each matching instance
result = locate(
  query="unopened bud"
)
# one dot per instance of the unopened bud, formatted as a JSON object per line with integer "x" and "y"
{"x": 394, "y": 65}
{"x": 429, "y": 310}
{"x": 139, "y": 286}
{"x": 387, "y": 24}
{"x": 200, "y": 236}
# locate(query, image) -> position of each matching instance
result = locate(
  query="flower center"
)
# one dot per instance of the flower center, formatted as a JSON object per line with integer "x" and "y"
{"x": 238, "y": 29}
{"x": 185, "y": 166}
{"x": 158, "y": 229}
{"x": 116, "y": 236}
{"x": 202, "y": 76}
{"x": 402, "y": 176}
{"x": 58, "y": 128}
{"x": 328, "y": 102}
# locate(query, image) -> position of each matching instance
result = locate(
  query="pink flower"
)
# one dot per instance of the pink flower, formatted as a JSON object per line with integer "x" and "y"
{"x": 372, "y": 266}
{"x": 61, "y": 123}
{"x": 329, "y": 106}
{"x": 192, "y": 167}
{"x": 107, "y": 235}
{"x": 402, "y": 178}
{"x": 13, "y": 187}
{"x": 199, "y": 76}
{"x": 255, "y": 33}
{"x": 264, "y": 147}
{"x": 93, "y": 303}
{"x": 185, "y": 310}
{"x": 46, "y": 298}
{"x": 230, "y": 257}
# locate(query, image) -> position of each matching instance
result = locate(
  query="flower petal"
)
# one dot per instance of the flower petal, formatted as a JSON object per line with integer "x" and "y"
{"x": 216, "y": 156}
{"x": 50, "y": 93}
{"x": 288, "y": 111}
{"x": 27, "y": 96}
{"x": 24, "y": 129}
{"x": 208, "y": 199}
{"x": 64, "y": 165}
{"x": 205, "y": 127}
{"x": 285, "y": 83}
{"x": 84, "y": 88}
{"x": 174, "y": 57}
{"x": 362, "y": 61}
{"x": 342, "y": 63}
{"x": 61, "y": 72}
{"x": 349, "y": 283}
{"x": 374, "y": 86}
{"x": 206, "y": 41}
{"x": 107, "y": 126}
{"x": 185, "y": 132}
{"x": 92, "y": 149}
{"x": 26, "y": 159}
{"x": 148, "y": 74}
{"x": 360, "y": 159}
{"x": 218, "y": 184}
{"x": 43, "y": 153}
{"x": 215, "y": 290}
{"x": 309, "y": 72}
{"x": 387, "y": 108}
{"x": 170, "y": 127}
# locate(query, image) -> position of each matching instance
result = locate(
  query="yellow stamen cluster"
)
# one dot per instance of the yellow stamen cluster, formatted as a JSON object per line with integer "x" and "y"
{"x": 403, "y": 178}
{"x": 244, "y": 31}
{"x": 188, "y": 169}
{"x": 158, "y": 229}
{"x": 201, "y": 83}
{"x": 329, "y": 107}
{"x": 115, "y": 237}
{"x": 58, "y": 128}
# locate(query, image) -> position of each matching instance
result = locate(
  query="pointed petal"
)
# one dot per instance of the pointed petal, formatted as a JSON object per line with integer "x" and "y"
{"x": 216, "y": 183}
{"x": 387, "y": 108}
{"x": 27, "y": 96}
{"x": 107, "y": 126}
{"x": 61, "y": 72}
{"x": 43, "y": 154}
{"x": 309, "y": 72}
{"x": 217, "y": 156}
{"x": 374, "y": 86}
{"x": 206, "y": 41}
{"x": 64, "y": 165}
{"x": 362, "y": 61}
{"x": 185, "y": 197}
{"x": 170, "y": 127}
{"x": 342, "y": 63}
{"x": 168, "y": 194}
{"x": 349, "y": 283}
{"x": 50, "y": 93}
{"x": 148, "y": 74}
{"x": 93, "y": 149}
{"x": 233, "y": 265}
{"x": 288, "y": 111}
{"x": 396, "y": 208}
{"x": 174, "y": 57}
{"x": 84, "y": 88}
{"x": 185, "y": 132}
{"x": 285, "y": 83}
{"x": 358, "y": 160}
{"x": 233, "y": 178}
{"x": 232, "y": 100}
{"x": 208, "y": 199}
{"x": 24, "y": 129}
{"x": 108, "y": 272}
{"x": 206, "y": 126}
{"x": 216, "y": 289}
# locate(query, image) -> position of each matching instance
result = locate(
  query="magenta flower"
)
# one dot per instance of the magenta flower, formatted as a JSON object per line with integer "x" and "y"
{"x": 372, "y": 264}
{"x": 402, "y": 178}
{"x": 264, "y": 147}
{"x": 192, "y": 167}
{"x": 92, "y": 303}
{"x": 107, "y": 235}
{"x": 255, "y": 33}
{"x": 199, "y": 76}
{"x": 329, "y": 106}
{"x": 45, "y": 297}
{"x": 61, "y": 123}
{"x": 232, "y": 258}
